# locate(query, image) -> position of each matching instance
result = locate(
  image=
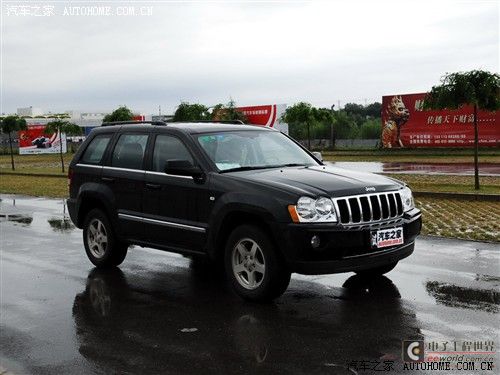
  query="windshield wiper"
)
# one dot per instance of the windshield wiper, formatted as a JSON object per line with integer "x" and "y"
{"x": 294, "y": 165}
{"x": 248, "y": 168}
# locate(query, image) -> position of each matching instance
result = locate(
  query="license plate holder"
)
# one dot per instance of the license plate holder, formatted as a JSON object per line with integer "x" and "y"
{"x": 387, "y": 237}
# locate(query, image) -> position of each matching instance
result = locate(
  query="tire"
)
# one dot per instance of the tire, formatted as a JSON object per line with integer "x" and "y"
{"x": 104, "y": 250}
{"x": 253, "y": 267}
{"x": 378, "y": 271}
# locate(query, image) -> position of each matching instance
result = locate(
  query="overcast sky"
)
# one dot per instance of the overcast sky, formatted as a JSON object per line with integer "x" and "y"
{"x": 257, "y": 52}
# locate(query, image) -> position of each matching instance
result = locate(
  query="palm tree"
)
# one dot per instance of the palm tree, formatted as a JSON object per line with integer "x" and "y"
{"x": 11, "y": 124}
{"x": 477, "y": 87}
{"x": 60, "y": 126}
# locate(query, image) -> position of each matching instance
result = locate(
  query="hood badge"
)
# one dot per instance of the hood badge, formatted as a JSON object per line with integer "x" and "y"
{"x": 370, "y": 188}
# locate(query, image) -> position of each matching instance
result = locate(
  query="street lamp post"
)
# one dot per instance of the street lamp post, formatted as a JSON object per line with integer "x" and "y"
{"x": 331, "y": 128}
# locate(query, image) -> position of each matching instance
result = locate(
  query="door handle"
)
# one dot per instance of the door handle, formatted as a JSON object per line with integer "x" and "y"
{"x": 153, "y": 186}
{"x": 108, "y": 179}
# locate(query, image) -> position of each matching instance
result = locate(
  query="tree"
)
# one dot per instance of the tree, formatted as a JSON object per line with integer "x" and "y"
{"x": 228, "y": 112}
{"x": 370, "y": 129}
{"x": 323, "y": 125}
{"x": 11, "y": 124}
{"x": 478, "y": 88}
{"x": 60, "y": 126}
{"x": 191, "y": 112}
{"x": 374, "y": 110}
{"x": 298, "y": 116}
{"x": 344, "y": 125}
{"x": 354, "y": 109}
{"x": 120, "y": 114}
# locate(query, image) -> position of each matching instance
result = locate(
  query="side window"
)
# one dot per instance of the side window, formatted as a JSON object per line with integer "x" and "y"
{"x": 95, "y": 150}
{"x": 168, "y": 147}
{"x": 129, "y": 151}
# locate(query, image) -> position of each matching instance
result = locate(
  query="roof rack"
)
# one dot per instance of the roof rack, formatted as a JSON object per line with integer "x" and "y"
{"x": 238, "y": 122}
{"x": 111, "y": 123}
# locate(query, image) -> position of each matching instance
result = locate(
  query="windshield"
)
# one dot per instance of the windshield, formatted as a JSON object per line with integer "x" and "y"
{"x": 252, "y": 149}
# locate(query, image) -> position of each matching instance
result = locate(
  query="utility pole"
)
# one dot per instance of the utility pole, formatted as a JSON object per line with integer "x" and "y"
{"x": 159, "y": 110}
{"x": 332, "y": 139}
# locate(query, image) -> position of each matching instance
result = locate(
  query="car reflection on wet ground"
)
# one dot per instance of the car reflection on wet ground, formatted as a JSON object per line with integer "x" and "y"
{"x": 465, "y": 169}
{"x": 163, "y": 313}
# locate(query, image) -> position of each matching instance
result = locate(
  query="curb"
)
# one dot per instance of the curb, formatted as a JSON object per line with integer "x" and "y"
{"x": 463, "y": 196}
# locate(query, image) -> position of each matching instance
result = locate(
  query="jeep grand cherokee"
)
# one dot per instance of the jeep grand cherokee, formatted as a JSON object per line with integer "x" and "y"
{"x": 249, "y": 198}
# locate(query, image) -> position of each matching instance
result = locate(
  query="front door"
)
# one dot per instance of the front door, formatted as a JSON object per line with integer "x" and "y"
{"x": 174, "y": 206}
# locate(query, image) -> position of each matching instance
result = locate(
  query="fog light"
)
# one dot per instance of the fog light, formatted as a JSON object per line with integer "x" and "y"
{"x": 315, "y": 241}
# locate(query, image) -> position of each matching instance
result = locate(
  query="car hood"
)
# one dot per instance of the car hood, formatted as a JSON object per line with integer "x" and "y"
{"x": 320, "y": 180}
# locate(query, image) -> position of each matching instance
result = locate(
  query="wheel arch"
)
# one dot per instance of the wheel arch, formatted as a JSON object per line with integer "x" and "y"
{"x": 235, "y": 218}
{"x": 90, "y": 199}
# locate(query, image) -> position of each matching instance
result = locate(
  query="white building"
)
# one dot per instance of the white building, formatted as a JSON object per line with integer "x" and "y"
{"x": 29, "y": 111}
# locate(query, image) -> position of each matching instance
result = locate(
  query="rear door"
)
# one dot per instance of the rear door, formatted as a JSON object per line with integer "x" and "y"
{"x": 124, "y": 174}
{"x": 174, "y": 206}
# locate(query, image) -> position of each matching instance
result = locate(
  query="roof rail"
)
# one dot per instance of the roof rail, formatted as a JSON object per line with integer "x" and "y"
{"x": 239, "y": 122}
{"x": 111, "y": 123}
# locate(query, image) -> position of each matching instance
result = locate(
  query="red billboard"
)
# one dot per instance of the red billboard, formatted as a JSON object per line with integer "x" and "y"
{"x": 34, "y": 140}
{"x": 406, "y": 124}
{"x": 266, "y": 115}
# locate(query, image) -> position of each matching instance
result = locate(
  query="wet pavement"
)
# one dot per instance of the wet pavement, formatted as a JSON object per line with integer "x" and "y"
{"x": 459, "y": 169}
{"x": 162, "y": 313}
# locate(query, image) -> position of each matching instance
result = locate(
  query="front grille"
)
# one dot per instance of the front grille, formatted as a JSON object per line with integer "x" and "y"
{"x": 369, "y": 208}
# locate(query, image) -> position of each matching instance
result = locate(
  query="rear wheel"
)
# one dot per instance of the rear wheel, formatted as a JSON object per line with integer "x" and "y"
{"x": 101, "y": 245}
{"x": 378, "y": 271}
{"x": 252, "y": 265}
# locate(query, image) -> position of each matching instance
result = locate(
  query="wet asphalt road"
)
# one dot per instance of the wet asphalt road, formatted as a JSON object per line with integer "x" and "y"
{"x": 161, "y": 313}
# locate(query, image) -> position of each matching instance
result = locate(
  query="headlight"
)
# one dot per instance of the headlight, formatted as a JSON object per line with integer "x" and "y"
{"x": 310, "y": 210}
{"x": 407, "y": 198}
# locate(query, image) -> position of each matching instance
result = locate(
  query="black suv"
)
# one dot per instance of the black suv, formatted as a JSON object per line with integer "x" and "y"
{"x": 245, "y": 197}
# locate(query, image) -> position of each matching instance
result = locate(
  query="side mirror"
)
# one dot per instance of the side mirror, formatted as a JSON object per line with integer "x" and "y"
{"x": 182, "y": 168}
{"x": 318, "y": 155}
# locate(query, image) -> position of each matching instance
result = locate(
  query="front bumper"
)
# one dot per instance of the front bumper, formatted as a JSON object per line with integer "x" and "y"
{"x": 343, "y": 249}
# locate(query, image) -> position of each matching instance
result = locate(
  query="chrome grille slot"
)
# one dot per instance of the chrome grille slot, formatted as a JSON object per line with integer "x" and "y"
{"x": 369, "y": 208}
{"x": 375, "y": 208}
{"x": 385, "y": 206}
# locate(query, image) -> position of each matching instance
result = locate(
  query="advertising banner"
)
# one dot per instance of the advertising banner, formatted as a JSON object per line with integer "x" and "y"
{"x": 406, "y": 124}
{"x": 266, "y": 115}
{"x": 34, "y": 140}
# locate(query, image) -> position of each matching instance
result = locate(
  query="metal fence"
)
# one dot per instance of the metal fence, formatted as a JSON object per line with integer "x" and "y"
{"x": 319, "y": 144}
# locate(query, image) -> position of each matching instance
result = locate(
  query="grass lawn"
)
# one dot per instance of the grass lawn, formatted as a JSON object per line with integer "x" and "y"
{"x": 452, "y": 184}
{"x": 54, "y": 187}
{"x": 48, "y": 163}
{"x": 471, "y": 220}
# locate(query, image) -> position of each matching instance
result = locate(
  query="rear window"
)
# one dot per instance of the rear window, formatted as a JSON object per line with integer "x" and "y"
{"x": 95, "y": 150}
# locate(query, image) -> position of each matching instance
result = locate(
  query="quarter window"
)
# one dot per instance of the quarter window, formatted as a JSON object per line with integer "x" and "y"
{"x": 166, "y": 148}
{"x": 95, "y": 150}
{"x": 129, "y": 151}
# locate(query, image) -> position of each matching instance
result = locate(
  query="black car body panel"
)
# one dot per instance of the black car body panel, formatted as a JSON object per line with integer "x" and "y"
{"x": 194, "y": 215}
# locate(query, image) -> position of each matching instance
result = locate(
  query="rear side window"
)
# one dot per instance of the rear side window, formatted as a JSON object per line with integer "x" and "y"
{"x": 166, "y": 148}
{"x": 95, "y": 150}
{"x": 129, "y": 151}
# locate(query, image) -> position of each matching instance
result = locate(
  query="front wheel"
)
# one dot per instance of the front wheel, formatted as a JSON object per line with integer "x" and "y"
{"x": 253, "y": 267}
{"x": 378, "y": 271}
{"x": 101, "y": 245}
